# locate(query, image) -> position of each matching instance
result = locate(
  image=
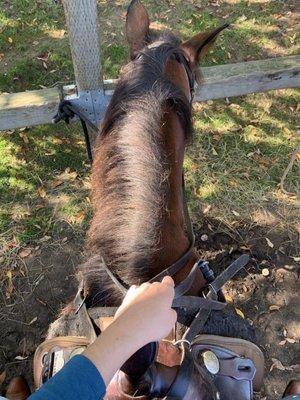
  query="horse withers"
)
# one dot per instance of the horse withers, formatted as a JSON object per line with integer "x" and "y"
{"x": 140, "y": 231}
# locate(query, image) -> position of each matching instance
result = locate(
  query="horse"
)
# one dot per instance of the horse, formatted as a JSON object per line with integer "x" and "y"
{"x": 138, "y": 225}
{"x": 140, "y": 230}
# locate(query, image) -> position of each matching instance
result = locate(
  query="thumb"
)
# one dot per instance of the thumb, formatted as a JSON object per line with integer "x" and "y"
{"x": 168, "y": 281}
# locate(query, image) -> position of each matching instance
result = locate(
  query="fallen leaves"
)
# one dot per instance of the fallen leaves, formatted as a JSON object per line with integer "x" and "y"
{"x": 235, "y": 213}
{"x": 270, "y": 244}
{"x": 44, "y": 239}
{"x": 274, "y": 307}
{"x": 240, "y": 313}
{"x": 228, "y": 298}
{"x": 10, "y": 286}
{"x": 33, "y": 321}
{"x": 278, "y": 365}
{"x": 24, "y": 137}
{"x": 25, "y": 253}
{"x": 56, "y": 183}
{"x": 76, "y": 219}
{"x": 21, "y": 358}
{"x": 42, "y": 192}
{"x": 2, "y": 377}
{"x": 287, "y": 340}
{"x": 296, "y": 259}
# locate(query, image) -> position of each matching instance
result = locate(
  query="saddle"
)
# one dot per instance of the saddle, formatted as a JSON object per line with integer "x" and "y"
{"x": 196, "y": 367}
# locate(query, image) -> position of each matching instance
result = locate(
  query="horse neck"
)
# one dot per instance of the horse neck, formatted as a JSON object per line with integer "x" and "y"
{"x": 174, "y": 240}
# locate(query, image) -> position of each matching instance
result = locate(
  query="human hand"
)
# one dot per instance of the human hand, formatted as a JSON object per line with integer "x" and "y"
{"x": 145, "y": 316}
{"x": 146, "y": 310}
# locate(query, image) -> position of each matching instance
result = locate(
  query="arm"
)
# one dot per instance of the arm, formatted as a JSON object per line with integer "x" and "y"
{"x": 144, "y": 316}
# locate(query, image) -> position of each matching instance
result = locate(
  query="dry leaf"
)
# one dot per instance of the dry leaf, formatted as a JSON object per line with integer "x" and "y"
{"x": 233, "y": 183}
{"x": 245, "y": 248}
{"x": 240, "y": 313}
{"x": 10, "y": 40}
{"x": 282, "y": 343}
{"x": 21, "y": 358}
{"x": 274, "y": 307}
{"x": 42, "y": 192}
{"x": 56, "y": 183}
{"x": 10, "y": 286}
{"x": 57, "y": 141}
{"x": 265, "y": 272}
{"x": 206, "y": 208}
{"x": 24, "y": 253}
{"x": 45, "y": 239}
{"x": 290, "y": 340}
{"x": 75, "y": 219}
{"x": 24, "y": 137}
{"x": 2, "y": 377}
{"x": 235, "y": 213}
{"x": 278, "y": 365}
{"x": 270, "y": 244}
{"x": 228, "y": 298}
{"x": 297, "y": 259}
{"x": 33, "y": 320}
{"x": 45, "y": 65}
{"x": 214, "y": 151}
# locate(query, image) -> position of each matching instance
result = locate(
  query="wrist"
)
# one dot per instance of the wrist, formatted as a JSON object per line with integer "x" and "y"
{"x": 114, "y": 347}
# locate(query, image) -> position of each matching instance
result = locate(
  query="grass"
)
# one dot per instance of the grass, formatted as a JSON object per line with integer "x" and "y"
{"x": 240, "y": 148}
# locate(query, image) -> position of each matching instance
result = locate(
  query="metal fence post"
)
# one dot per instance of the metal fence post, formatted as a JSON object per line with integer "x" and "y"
{"x": 82, "y": 22}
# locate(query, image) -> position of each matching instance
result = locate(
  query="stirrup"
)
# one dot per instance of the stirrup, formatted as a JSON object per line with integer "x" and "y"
{"x": 51, "y": 355}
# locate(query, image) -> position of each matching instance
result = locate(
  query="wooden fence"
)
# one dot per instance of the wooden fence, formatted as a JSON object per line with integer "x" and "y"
{"x": 39, "y": 106}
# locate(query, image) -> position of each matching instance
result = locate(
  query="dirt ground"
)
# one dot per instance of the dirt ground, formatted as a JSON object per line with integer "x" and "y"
{"x": 45, "y": 281}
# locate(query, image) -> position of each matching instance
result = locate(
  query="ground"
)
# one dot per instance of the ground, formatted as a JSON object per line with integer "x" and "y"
{"x": 239, "y": 152}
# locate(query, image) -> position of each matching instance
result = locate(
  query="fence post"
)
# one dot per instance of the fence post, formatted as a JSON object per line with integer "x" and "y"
{"x": 82, "y": 22}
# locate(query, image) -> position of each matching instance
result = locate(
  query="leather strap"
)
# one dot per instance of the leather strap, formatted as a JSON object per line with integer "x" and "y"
{"x": 229, "y": 273}
{"x": 203, "y": 314}
{"x": 181, "y": 383}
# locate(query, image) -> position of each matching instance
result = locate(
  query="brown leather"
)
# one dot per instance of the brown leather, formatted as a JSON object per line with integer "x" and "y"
{"x": 168, "y": 354}
{"x": 243, "y": 348}
{"x": 292, "y": 388}
{"x": 62, "y": 342}
{"x": 17, "y": 389}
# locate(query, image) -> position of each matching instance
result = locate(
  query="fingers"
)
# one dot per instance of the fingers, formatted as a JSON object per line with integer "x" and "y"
{"x": 168, "y": 281}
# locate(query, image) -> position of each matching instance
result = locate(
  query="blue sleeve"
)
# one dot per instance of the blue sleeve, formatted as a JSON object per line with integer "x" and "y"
{"x": 79, "y": 379}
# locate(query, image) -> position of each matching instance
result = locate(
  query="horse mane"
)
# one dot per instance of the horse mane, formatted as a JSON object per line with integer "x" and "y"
{"x": 130, "y": 177}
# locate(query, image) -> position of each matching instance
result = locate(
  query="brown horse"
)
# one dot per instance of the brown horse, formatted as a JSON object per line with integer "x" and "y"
{"x": 138, "y": 227}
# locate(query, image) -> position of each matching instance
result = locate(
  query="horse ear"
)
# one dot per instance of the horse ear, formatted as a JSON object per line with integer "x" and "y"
{"x": 198, "y": 46}
{"x": 137, "y": 25}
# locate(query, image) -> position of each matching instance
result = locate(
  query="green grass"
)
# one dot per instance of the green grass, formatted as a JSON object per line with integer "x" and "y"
{"x": 240, "y": 147}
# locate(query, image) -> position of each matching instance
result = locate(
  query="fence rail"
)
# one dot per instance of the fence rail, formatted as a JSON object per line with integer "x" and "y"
{"x": 37, "y": 107}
